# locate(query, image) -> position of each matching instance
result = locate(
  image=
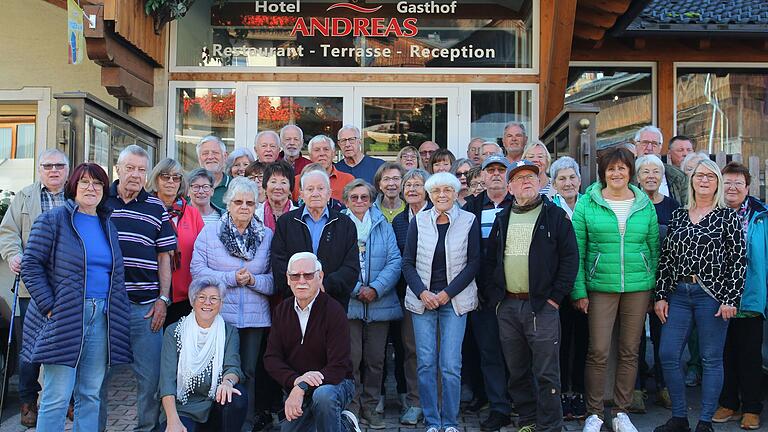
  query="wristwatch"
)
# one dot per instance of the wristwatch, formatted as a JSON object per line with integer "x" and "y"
{"x": 303, "y": 386}
{"x": 165, "y": 300}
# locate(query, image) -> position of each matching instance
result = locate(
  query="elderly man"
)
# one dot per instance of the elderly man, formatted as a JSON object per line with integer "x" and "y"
{"x": 355, "y": 162}
{"x": 291, "y": 141}
{"x": 473, "y": 150}
{"x": 212, "y": 155}
{"x": 44, "y": 194}
{"x": 267, "y": 146}
{"x": 308, "y": 352}
{"x": 426, "y": 149}
{"x": 147, "y": 239}
{"x": 530, "y": 232}
{"x": 680, "y": 146}
{"x": 321, "y": 150}
{"x": 482, "y": 321}
{"x": 314, "y": 227}
{"x": 514, "y": 140}
{"x": 674, "y": 183}
{"x": 489, "y": 148}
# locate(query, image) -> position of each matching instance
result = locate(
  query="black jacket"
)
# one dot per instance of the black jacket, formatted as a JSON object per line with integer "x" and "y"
{"x": 553, "y": 258}
{"x": 337, "y": 252}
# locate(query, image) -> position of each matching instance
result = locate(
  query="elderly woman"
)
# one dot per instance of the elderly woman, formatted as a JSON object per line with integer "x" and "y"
{"x": 650, "y": 171}
{"x": 408, "y": 157}
{"x": 441, "y": 161}
{"x": 200, "y": 365}
{"x": 618, "y": 238}
{"x": 237, "y": 251}
{"x": 373, "y": 302}
{"x": 277, "y": 183}
{"x": 460, "y": 168}
{"x": 690, "y": 161}
{"x": 238, "y": 161}
{"x": 700, "y": 281}
{"x": 200, "y": 191}
{"x": 566, "y": 182}
{"x": 255, "y": 173}
{"x": 536, "y": 152}
{"x": 441, "y": 291}
{"x": 475, "y": 182}
{"x": 79, "y": 320}
{"x": 741, "y": 360}
{"x": 167, "y": 183}
{"x": 387, "y": 182}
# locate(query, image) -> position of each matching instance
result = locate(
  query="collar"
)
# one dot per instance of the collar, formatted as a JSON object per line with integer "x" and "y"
{"x": 305, "y": 213}
{"x": 224, "y": 181}
{"x": 44, "y": 188}
{"x": 308, "y": 309}
{"x": 487, "y": 199}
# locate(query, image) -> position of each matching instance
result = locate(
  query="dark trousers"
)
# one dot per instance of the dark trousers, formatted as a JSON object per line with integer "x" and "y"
{"x": 396, "y": 338}
{"x": 485, "y": 329}
{"x": 269, "y": 394}
{"x": 222, "y": 418}
{"x": 742, "y": 363}
{"x": 368, "y": 348}
{"x": 530, "y": 342}
{"x": 29, "y": 387}
{"x": 250, "y": 347}
{"x": 643, "y": 369}
{"x": 176, "y": 311}
{"x": 471, "y": 374}
{"x": 573, "y": 348}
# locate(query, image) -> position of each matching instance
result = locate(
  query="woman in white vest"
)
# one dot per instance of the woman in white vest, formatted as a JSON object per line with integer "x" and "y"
{"x": 441, "y": 259}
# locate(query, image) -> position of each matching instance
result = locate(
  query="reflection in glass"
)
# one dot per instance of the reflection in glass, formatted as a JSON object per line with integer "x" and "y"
{"x": 314, "y": 115}
{"x": 97, "y": 142}
{"x": 392, "y": 123}
{"x": 25, "y": 141}
{"x": 201, "y": 112}
{"x": 492, "y": 110}
{"x": 6, "y": 142}
{"x": 724, "y": 111}
{"x": 624, "y": 96}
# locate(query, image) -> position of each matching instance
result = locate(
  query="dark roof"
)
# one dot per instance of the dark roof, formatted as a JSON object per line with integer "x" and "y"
{"x": 695, "y": 16}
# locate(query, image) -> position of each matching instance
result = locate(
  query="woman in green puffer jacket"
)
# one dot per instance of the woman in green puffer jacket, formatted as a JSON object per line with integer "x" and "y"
{"x": 618, "y": 238}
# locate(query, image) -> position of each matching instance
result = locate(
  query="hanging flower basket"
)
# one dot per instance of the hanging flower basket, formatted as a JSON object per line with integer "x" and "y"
{"x": 165, "y": 11}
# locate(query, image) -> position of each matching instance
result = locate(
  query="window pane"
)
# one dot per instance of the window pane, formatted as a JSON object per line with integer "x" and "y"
{"x": 392, "y": 123}
{"x": 624, "y": 96}
{"x": 724, "y": 110}
{"x": 493, "y": 109}
{"x": 314, "y": 115}
{"x": 6, "y": 136}
{"x": 97, "y": 142}
{"x": 201, "y": 112}
{"x": 25, "y": 141}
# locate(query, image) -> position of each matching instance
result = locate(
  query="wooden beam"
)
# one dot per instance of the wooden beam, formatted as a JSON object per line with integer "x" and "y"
{"x": 704, "y": 44}
{"x": 127, "y": 87}
{"x": 559, "y": 58}
{"x": 546, "y": 34}
{"x": 617, "y": 7}
{"x": 588, "y": 32}
{"x": 665, "y": 103}
{"x": 354, "y": 77}
{"x": 595, "y": 17}
{"x": 638, "y": 43}
{"x": 60, "y": 3}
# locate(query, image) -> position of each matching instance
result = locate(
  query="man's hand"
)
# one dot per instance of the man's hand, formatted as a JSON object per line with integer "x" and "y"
{"x": 443, "y": 298}
{"x": 224, "y": 392}
{"x": 367, "y": 294}
{"x": 313, "y": 378}
{"x": 293, "y": 404}
{"x": 429, "y": 299}
{"x": 582, "y": 305}
{"x": 15, "y": 264}
{"x": 158, "y": 312}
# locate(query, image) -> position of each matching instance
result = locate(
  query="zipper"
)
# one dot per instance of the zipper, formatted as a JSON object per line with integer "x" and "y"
{"x": 645, "y": 261}
{"x": 240, "y": 292}
{"x": 109, "y": 293}
{"x": 594, "y": 266}
{"x": 621, "y": 252}
{"x": 85, "y": 279}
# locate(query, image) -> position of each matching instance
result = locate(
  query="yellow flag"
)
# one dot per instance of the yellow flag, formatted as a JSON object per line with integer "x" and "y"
{"x": 75, "y": 38}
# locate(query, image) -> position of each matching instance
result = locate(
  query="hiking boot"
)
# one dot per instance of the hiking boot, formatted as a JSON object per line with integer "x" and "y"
{"x": 750, "y": 421}
{"x": 495, "y": 421}
{"x": 663, "y": 399}
{"x": 579, "y": 406}
{"x": 29, "y": 415}
{"x": 373, "y": 419}
{"x": 724, "y": 414}
{"x": 567, "y": 406}
{"x": 638, "y": 402}
{"x": 675, "y": 424}
{"x": 527, "y": 428}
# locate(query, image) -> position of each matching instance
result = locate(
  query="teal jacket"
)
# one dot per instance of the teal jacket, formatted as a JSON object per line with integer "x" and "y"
{"x": 608, "y": 261}
{"x": 753, "y": 299}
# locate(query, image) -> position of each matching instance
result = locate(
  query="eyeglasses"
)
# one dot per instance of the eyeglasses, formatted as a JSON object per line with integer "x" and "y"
{"x": 205, "y": 299}
{"x": 426, "y": 153}
{"x": 85, "y": 184}
{"x": 50, "y": 166}
{"x": 646, "y": 143}
{"x": 361, "y": 198}
{"x": 474, "y": 150}
{"x": 408, "y": 157}
{"x": 413, "y": 186}
{"x": 198, "y": 188}
{"x": 295, "y": 277}
{"x": 461, "y": 173}
{"x": 476, "y": 184}
{"x": 736, "y": 184}
{"x": 525, "y": 178}
{"x": 239, "y": 203}
{"x": 395, "y": 179}
{"x": 702, "y": 177}
{"x": 256, "y": 177}
{"x": 176, "y": 178}
{"x": 348, "y": 140}
{"x": 130, "y": 169}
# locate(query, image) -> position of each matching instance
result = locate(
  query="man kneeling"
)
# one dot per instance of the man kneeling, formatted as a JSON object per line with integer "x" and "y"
{"x": 308, "y": 353}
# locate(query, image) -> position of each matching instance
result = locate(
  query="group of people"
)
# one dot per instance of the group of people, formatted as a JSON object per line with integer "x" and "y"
{"x": 266, "y": 281}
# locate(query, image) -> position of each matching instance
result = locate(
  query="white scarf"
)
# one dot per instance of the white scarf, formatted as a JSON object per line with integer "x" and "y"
{"x": 195, "y": 363}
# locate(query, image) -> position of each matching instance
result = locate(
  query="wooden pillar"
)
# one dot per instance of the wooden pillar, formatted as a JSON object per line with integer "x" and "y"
{"x": 665, "y": 102}
{"x": 557, "y": 19}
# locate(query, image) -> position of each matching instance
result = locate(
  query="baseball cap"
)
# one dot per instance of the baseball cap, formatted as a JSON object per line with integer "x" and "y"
{"x": 496, "y": 158}
{"x": 521, "y": 165}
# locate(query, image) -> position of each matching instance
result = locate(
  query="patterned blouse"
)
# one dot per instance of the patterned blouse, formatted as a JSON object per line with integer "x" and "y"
{"x": 713, "y": 250}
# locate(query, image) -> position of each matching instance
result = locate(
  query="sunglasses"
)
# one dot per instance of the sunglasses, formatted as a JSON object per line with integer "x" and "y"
{"x": 238, "y": 203}
{"x": 295, "y": 277}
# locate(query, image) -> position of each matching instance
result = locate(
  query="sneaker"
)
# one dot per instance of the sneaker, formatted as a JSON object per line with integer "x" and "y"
{"x": 349, "y": 421}
{"x": 638, "y": 402}
{"x": 412, "y": 416}
{"x": 579, "y": 406}
{"x": 380, "y": 406}
{"x": 374, "y": 420}
{"x": 403, "y": 399}
{"x": 527, "y": 428}
{"x": 675, "y": 424}
{"x": 663, "y": 399}
{"x": 724, "y": 414}
{"x": 476, "y": 405}
{"x": 432, "y": 429}
{"x": 622, "y": 423}
{"x": 451, "y": 429}
{"x": 567, "y": 406}
{"x": 704, "y": 427}
{"x": 495, "y": 421}
{"x": 750, "y": 421}
{"x": 593, "y": 424}
{"x": 692, "y": 378}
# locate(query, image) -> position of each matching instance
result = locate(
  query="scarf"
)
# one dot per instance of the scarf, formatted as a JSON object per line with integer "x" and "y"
{"x": 363, "y": 227}
{"x": 243, "y": 245}
{"x": 270, "y": 221}
{"x": 197, "y": 363}
{"x": 518, "y": 209}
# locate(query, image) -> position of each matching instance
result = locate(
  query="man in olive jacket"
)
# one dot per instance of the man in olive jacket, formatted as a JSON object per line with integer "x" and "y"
{"x": 532, "y": 262}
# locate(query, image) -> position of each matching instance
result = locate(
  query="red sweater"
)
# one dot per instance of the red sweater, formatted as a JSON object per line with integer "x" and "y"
{"x": 188, "y": 228}
{"x": 326, "y": 346}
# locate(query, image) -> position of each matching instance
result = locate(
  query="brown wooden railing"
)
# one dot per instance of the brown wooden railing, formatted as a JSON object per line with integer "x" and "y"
{"x": 574, "y": 133}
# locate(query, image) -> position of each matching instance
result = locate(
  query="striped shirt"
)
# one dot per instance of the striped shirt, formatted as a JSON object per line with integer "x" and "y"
{"x": 621, "y": 208}
{"x": 50, "y": 200}
{"x": 144, "y": 230}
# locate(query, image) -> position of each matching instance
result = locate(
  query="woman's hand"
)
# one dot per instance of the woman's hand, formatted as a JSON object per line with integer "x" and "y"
{"x": 175, "y": 425}
{"x": 726, "y": 312}
{"x": 443, "y": 298}
{"x": 429, "y": 299}
{"x": 582, "y": 305}
{"x": 224, "y": 392}
{"x": 662, "y": 310}
{"x": 242, "y": 277}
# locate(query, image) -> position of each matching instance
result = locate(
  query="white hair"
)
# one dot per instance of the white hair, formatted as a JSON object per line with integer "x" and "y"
{"x": 213, "y": 138}
{"x": 348, "y": 127}
{"x": 240, "y": 185}
{"x": 489, "y": 143}
{"x": 649, "y": 159}
{"x": 318, "y": 138}
{"x": 237, "y": 154}
{"x": 652, "y": 129}
{"x": 518, "y": 124}
{"x": 442, "y": 179}
{"x": 203, "y": 282}
{"x": 292, "y": 126}
{"x": 533, "y": 144}
{"x": 564, "y": 162}
{"x": 691, "y": 156}
{"x": 271, "y": 133}
{"x": 135, "y": 150}
{"x": 316, "y": 173}
{"x": 298, "y": 256}
{"x": 53, "y": 152}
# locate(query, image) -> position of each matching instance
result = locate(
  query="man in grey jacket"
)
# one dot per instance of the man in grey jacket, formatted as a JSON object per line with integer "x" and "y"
{"x": 44, "y": 194}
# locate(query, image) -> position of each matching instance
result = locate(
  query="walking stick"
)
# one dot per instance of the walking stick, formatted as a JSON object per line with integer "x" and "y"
{"x": 8, "y": 349}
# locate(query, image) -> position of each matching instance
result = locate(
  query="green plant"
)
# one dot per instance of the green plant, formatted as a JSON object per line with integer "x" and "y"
{"x": 5, "y": 201}
{"x": 165, "y": 11}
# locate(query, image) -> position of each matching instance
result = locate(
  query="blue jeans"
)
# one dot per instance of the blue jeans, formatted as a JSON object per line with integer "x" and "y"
{"x": 59, "y": 382}
{"x": 221, "y": 418}
{"x": 146, "y": 346}
{"x": 324, "y": 412}
{"x": 450, "y": 327}
{"x": 689, "y": 304}
{"x": 29, "y": 387}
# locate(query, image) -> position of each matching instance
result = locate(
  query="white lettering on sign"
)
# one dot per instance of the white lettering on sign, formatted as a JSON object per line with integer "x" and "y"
{"x": 430, "y": 7}
{"x": 244, "y": 51}
{"x": 355, "y": 52}
{"x": 465, "y": 52}
{"x": 263, "y": 6}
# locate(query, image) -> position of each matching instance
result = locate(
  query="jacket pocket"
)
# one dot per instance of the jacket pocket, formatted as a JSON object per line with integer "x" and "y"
{"x": 645, "y": 262}
{"x": 594, "y": 265}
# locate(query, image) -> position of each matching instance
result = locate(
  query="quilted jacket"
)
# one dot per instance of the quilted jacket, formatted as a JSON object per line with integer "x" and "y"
{"x": 608, "y": 261}
{"x": 53, "y": 269}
